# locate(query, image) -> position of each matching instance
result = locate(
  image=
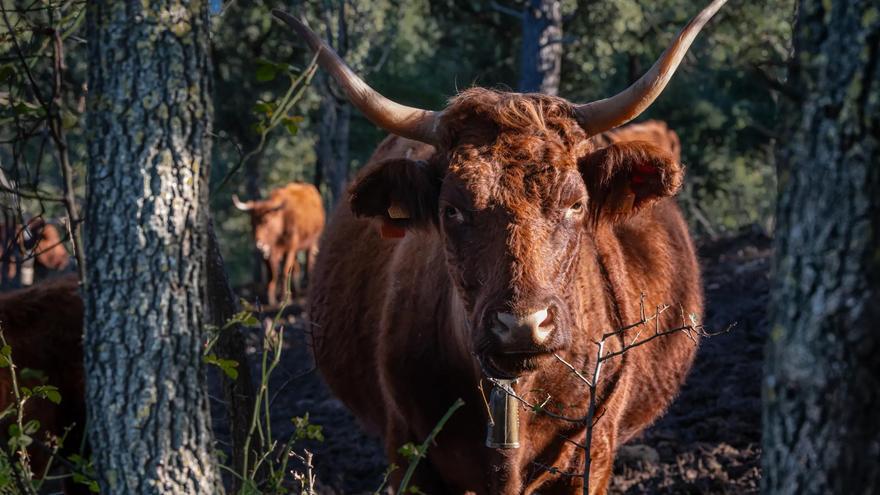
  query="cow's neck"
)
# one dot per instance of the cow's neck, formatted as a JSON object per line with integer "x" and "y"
{"x": 520, "y": 470}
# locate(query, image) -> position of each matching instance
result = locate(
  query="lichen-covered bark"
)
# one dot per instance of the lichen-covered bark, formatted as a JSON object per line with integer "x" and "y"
{"x": 541, "y": 54}
{"x": 149, "y": 113}
{"x": 822, "y": 386}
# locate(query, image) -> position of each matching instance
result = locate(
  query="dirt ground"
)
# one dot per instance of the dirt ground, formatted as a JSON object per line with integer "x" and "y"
{"x": 708, "y": 442}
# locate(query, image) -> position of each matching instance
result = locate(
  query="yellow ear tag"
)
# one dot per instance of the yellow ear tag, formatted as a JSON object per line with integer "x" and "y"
{"x": 397, "y": 211}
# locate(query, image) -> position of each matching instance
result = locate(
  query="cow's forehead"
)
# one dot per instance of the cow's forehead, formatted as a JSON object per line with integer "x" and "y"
{"x": 511, "y": 180}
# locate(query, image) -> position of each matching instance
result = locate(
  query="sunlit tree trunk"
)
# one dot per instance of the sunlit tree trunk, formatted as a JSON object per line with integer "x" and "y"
{"x": 541, "y": 54}
{"x": 822, "y": 384}
{"x": 149, "y": 149}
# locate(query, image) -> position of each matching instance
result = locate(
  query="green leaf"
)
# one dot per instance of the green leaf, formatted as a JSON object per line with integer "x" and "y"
{"x": 32, "y": 374}
{"x": 9, "y": 411}
{"x": 26, "y": 107}
{"x": 6, "y": 351}
{"x": 258, "y": 127}
{"x": 31, "y": 427}
{"x": 266, "y": 72}
{"x": 306, "y": 430}
{"x": 409, "y": 451}
{"x": 69, "y": 120}
{"x": 228, "y": 366}
{"x": 49, "y": 392}
{"x": 21, "y": 441}
{"x": 292, "y": 124}
{"x": 263, "y": 108}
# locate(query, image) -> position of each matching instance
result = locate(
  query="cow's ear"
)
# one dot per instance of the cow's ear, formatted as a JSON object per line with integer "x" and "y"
{"x": 624, "y": 178}
{"x": 400, "y": 192}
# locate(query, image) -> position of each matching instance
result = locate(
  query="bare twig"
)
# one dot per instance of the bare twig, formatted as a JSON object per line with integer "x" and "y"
{"x": 59, "y": 137}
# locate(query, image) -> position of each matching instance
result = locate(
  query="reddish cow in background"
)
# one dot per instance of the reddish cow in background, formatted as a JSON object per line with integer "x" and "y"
{"x": 40, "y": 240}
{"x": 516, "y": 243}
{"x": 289, "y": 221}
{"x": 651, "y": 131}
{"x": 43, "y": 325}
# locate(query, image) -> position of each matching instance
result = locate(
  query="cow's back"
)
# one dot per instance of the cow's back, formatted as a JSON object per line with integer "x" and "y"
{"x": 304, "y": 212}
{"x": 652, "y": 131}
{"x": 350, "y": 286}
{"x": 43, "y": 325}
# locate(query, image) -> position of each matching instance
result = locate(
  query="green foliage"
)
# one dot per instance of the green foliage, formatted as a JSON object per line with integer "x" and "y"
{"x": 266, "y": 458}
{"x": 30, "y": 99}
{"x": 414, "y": 453}
{"x": 306, "y": 430}
{"x": 228, "y": 366}
{"x": 721, "y": 102}
{"x": 15, "y": 465}
{"x": 84, "y": 472}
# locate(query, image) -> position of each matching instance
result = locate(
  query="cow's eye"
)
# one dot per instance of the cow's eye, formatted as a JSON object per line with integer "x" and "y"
{"x": 453, "y": 213}
{"x": 575, "y": 210}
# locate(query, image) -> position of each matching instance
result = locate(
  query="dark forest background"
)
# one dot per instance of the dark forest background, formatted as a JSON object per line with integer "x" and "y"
{"x": 723, "y": 103}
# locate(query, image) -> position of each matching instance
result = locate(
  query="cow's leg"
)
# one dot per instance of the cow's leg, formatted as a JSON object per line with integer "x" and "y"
{"x": 311, "y": 255}
{"x": 272, "y": 286}
{"x": 602, "y": 462}
{"x": 291, "y": 271}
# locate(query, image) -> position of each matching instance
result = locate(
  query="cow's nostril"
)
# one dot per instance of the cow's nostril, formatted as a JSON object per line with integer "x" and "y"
{"x": 500, "y": 325}
{"x": 523, "y": 330}
{"x": 549, "y": 320}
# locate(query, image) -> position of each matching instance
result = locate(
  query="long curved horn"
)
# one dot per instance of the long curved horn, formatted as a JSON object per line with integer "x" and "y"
{"x": 243, "y": 206}
{"x": 602, "y": 115}
{"x": 409, "y": 122}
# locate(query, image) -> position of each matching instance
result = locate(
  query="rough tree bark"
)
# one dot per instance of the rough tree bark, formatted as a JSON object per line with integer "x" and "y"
{"x": 822, "y": 383}
{"x": 149, "y": 120}
{"x": 541, "y": 54}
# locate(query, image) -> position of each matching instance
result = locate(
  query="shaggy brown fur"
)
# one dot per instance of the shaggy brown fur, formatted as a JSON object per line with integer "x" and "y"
{"x": 43, "y": 325}
{"x": 291, "y": 220}
{"x": 516, "y": 210}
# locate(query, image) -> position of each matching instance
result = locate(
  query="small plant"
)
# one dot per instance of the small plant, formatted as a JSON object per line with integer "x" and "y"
{"x": 266, "y": 459}
{"x": 16, "y": 466}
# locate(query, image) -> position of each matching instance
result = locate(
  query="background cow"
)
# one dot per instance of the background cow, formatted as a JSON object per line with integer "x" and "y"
{"x": 652, "y": 131}
{"x": 290, "y": 221}
{"x": 520, "y": 241}
{"x": 41, "y": 240}
{"x": 43, "y": 325}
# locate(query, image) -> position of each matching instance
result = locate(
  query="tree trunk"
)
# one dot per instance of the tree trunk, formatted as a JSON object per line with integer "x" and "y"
{"x": 149, "y": 151}
{"x": 252, "y": 190}
{"x": 541, "y": 55}
{"x": 822, "y": 383}
{"x": 333, "y": 140}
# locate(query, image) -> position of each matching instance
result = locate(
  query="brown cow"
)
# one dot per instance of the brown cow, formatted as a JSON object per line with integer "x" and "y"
{"x": 290, "y": 221}
{"x": 652, "y": 131}
{"x": 522, "y": 240}
{"x": 43, "y": 326}
{"x": 41, "y": 240}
